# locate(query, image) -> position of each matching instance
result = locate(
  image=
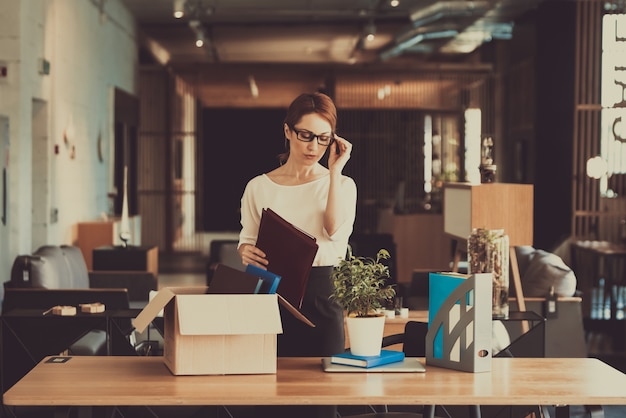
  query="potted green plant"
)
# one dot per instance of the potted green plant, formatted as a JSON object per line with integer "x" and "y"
{"x": 360, "y": 287}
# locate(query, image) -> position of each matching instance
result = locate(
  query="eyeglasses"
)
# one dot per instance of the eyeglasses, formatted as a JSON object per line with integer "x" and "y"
{"x": 307, "y": 136}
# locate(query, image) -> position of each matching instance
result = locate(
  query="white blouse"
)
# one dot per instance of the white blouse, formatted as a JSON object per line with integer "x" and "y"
{"x": 303, "y": 206}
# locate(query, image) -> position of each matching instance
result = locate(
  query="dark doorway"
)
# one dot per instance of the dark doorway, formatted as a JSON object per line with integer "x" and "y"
{"x": 238, "y": 145}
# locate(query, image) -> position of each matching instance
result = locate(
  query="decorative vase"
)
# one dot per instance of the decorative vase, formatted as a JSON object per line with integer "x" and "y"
{"x": 365, "y": 334}
{"x": 488, "y": 252}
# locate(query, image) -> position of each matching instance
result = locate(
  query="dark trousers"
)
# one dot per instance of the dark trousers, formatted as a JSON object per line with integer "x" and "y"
{"x": 327, "y": 337}
{"x": 300, "y": 340}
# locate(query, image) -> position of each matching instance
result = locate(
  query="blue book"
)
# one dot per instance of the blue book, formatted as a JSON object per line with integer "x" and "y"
{"x": 385, "y": 357}
{"x": 270, "y": 280}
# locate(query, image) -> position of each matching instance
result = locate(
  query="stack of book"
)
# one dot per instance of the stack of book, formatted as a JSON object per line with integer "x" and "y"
{"x": 385, "y": 357}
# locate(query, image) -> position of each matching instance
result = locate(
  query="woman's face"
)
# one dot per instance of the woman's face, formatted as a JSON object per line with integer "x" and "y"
{"x": 308, "y": 153}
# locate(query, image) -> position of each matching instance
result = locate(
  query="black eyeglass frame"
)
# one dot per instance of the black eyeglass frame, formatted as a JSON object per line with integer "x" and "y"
{"x": 313, "y": 136}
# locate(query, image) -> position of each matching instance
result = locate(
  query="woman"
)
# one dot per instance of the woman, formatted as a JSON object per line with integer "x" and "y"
{"x": 316, "y": 199}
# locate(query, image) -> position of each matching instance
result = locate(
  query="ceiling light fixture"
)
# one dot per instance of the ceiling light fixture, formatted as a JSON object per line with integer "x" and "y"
{"x": 179, "y": 8}
{"x": 370, "y": 31}
{"x": 254, "y": 89}
{"x": 200, "y": 39}
{"x": 198, "y": 29}
{"x": 394, "y": 3}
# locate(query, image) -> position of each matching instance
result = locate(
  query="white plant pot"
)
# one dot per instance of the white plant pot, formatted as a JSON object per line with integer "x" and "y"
{"x": 366, "y": 335}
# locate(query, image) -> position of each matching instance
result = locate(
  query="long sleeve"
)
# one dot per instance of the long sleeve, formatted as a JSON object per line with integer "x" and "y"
{"x": 303, "y": 206}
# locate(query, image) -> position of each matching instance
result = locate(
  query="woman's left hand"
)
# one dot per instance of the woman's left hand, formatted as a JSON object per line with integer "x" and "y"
{"x": 339, "y": 154}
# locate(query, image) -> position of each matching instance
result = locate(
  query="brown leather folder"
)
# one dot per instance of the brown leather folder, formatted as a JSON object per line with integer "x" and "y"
{"x": 290, "y": 252}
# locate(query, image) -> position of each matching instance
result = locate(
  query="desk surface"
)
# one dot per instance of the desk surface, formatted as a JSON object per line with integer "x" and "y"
{"x": 146, "y": 381}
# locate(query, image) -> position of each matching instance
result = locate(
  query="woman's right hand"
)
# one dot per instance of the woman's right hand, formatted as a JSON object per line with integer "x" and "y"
{"x": 252, "y": 255}
{"x": 339, "y": 154}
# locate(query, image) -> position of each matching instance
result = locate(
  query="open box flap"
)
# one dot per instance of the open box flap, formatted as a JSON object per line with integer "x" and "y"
{"x": 299, "y": 315}
{"x": 160, "y": 300}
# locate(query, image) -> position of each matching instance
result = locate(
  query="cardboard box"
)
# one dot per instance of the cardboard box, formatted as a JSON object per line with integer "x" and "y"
{"x": 215, "y": 334}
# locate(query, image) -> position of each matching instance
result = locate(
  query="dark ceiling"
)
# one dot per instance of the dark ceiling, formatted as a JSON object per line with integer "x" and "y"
{"x": 321, "y": 31}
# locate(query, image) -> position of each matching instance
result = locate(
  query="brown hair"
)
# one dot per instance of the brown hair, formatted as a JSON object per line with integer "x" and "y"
{"x": 305, "y": 104}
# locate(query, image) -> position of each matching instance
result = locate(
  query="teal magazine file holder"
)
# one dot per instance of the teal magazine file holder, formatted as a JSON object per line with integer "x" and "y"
{"x": 459, "y": 321}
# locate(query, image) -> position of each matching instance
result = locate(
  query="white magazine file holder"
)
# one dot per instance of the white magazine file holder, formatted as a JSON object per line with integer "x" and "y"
{"x": 462, "y": 327}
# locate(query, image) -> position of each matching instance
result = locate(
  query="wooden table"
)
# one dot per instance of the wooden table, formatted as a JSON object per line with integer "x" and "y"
{"x": 28, "y": 336}
{"x": 130, "y": 381}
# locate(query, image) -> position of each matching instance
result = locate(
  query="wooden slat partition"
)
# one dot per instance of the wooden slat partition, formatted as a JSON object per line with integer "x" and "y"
{"x": 166, "y": 166}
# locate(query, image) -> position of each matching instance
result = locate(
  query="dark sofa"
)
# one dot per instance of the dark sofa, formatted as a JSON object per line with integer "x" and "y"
{"x": 63, "y": 267}
{"x": 57, "y": 275}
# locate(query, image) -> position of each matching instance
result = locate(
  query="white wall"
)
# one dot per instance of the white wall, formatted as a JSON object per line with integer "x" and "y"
{"x": 90, "y": 53}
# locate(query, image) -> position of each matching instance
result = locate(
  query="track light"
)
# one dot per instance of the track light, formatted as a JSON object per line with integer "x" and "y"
{"x": 200, "y": 39}
{"x": 370, "y": 31}
{"x": 179, "y": 8}
{"x": 198, "y": 29}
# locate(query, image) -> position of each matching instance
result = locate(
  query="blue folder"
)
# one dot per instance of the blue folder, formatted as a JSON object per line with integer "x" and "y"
{"x": 270, "y": 280}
